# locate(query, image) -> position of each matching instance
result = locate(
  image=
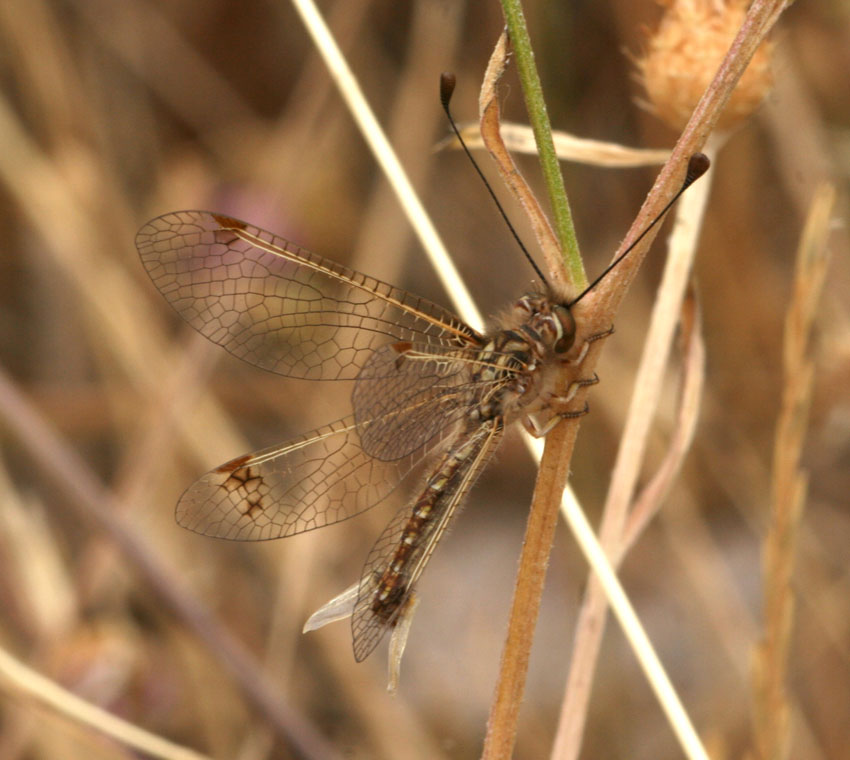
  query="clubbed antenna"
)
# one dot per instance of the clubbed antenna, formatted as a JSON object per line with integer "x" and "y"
{"x": 447, "y": 88}
{"x": 697, "y": 166}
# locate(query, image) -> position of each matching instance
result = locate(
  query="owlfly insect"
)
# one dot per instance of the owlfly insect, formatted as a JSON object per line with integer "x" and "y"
{"x": 426, "y": 385}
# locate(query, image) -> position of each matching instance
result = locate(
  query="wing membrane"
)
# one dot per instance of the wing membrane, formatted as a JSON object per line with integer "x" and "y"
{"x": 278, "y": 306}
{"x": 287, "y": 310}
{"x": 338, "y": 470}
{"x": 319, "y": 479}
{"x": 406, "y": 392}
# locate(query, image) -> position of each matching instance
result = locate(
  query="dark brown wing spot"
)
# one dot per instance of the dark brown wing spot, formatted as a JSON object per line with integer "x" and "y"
{"x": 246, "y": 484}
{"x": 233, "y": 464}
{"x": 228, "y": 222}
{"x": 254, "y": 505}
{"x": 239, "y": 479}
{"x": 401, "y": 348}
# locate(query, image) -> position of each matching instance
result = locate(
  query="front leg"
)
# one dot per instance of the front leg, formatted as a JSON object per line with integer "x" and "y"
{"x": 556, "y": 404}
{"x": 538, "y": 430}
{"x": 586, "y": 345}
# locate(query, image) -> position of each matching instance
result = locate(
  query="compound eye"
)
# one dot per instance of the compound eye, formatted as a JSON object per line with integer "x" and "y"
{"x": 568, "y": 329}
{"x": 564, "y": 344}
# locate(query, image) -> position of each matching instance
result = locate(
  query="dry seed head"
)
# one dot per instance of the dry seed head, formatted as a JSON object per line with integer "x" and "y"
{"x": 683, "y": 55}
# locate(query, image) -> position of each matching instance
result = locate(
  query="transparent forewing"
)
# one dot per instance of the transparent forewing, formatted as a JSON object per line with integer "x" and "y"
{"x": 318, "y": 479}
{"x": 407, "y": 392}
{"x": 277, "y": 306}
{"x": 401, "y": 552}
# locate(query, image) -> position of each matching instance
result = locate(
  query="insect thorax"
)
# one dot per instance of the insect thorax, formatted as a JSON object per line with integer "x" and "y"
{"x": 538, "y": 333}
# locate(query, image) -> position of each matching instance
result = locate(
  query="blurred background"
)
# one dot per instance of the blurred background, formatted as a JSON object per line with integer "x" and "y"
{"x": 112, "y": 113}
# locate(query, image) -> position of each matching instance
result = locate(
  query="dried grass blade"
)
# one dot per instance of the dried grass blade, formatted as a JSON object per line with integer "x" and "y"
{"x": 520, "y": 139}
{"x": 488, "y": 104}
{"x": 649, "y": 501}
{"x": 592, "y": 617}
{"x": 789, "y": 486}
{"x": 22, "y": 681}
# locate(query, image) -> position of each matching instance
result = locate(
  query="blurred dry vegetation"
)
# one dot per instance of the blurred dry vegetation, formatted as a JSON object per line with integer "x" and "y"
{"x": 111, "y": 113}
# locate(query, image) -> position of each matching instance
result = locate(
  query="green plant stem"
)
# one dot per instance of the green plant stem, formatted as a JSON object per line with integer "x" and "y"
{"x": 536, "y": 107}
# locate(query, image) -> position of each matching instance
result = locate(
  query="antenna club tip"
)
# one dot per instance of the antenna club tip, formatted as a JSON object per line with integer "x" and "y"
{"x": 697, "y": 166}
{"x": 447, "y": 86}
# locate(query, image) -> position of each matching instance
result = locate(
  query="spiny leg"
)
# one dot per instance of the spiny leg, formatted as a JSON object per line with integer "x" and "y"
{"x": 586, "y": 345}
{"x": 539, "y": 431}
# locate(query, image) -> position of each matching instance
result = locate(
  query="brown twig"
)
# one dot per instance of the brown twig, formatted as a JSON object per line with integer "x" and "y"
{"x": 594, "y": 314}
{"x": 554, "y": 466}
{"x": 534, "y": 559}
{"x": 591, "y": 625}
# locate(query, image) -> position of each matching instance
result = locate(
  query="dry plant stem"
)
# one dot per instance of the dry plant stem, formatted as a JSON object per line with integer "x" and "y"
{"x": 637, "y": 637}
{"x": 650, "y": 377}
{"x": 534, "y": 559}
{"x": 535, "y": 105}
{"x": 520, "y": 139}
{"x": 609, "y": 588}
{"x": 591, "y": 622}
{"x": 771, "y": 708}
{"x": 761, "y": 16}
{"x": 488, "y": 106}
{"x": 72, "y": 477}
{"x": 505, "y": 709}
{"x": 649, "y": 501}
{"x": 554, "y": 464}
{"x": 22, "y": 681}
